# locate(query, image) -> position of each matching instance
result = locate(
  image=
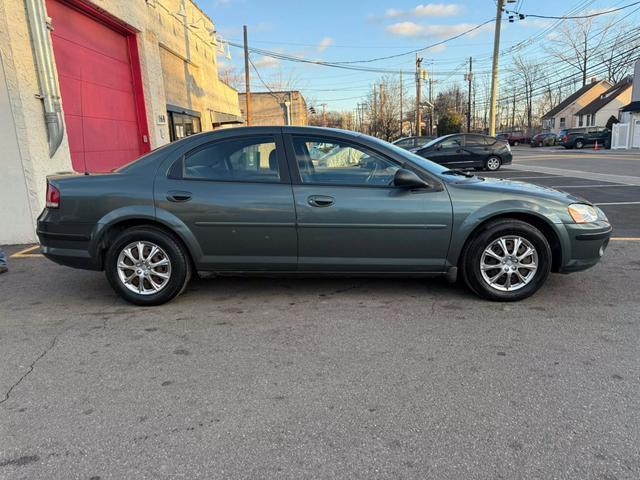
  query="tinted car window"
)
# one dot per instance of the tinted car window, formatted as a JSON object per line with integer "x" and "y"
{"x": 341, "y": 163}
{"x": 246, "y": 159}
{"x": 452, "y": 142}
{"x": 475, "y": 141}
{"x": 407, "y": 142}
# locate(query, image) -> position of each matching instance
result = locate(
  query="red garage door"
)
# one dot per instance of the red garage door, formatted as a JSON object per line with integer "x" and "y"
{"x": 99, "y": 79}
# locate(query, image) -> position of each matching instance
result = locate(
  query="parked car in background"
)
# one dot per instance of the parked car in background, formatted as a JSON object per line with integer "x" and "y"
{"x": 544, "y": 140}
{"x": 585, "y": 136}
{"x": 467, "y": 150}
{"x": 413, "y": 142}
{"x": 515, "y": 137}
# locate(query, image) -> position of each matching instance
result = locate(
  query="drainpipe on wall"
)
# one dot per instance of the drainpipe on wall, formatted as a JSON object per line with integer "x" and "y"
{"x": 49, "y": 92}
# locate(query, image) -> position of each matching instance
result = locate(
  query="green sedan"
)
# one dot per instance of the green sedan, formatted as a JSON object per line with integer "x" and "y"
{"x": 306, "y": 201}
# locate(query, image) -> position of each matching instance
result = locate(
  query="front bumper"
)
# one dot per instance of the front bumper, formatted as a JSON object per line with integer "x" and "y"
{"x": 587, "y": 244}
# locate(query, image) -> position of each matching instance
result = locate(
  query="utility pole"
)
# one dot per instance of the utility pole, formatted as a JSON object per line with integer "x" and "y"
{"x": 469, "y": 79}
{"x": 247, "y": 87}
{"x": 418, "y": 81}
{"x": 401, "y": 103}
{"x": 494, "y": 69}
{"x": 324, "y": 114}
{"x": 431, "y": 100}
{"x": 374, "y": 126}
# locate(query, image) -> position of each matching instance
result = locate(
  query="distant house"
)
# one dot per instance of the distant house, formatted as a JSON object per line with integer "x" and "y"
{"x": 598, "y": 112}
{"x": 275, "y": 108}
{"x": 563, "y": 115}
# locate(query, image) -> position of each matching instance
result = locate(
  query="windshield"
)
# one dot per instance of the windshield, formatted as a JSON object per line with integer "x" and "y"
{"x": 417, "y": 160}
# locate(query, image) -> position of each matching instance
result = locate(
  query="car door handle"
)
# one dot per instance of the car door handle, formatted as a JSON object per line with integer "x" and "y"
{"x": 178, "y": 196}
{"x": 320, "y": 201}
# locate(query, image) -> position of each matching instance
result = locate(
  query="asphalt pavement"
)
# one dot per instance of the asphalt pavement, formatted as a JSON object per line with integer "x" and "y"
{"x": 330, "y": 378}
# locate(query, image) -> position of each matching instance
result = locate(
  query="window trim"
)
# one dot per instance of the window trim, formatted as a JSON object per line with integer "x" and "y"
{"x": 296, "y": 177}
{"x": 176, "y": 170}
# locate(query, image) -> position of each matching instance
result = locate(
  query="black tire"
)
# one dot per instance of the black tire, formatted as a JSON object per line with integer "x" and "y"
{"x": 180, "y": 263}
{"x": 516, "y": 143}
{"x": 472, "y": 256}
{"x": 578, "y": 144}
{"x": 489, "y": 164}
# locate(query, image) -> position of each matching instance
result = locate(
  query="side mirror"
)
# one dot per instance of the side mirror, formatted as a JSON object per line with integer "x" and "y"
{"x": 439, "y": 146}
{"x": 407, "y": 179}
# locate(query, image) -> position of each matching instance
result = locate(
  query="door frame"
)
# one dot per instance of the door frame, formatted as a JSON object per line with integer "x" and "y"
{"x": 131, "y": 35}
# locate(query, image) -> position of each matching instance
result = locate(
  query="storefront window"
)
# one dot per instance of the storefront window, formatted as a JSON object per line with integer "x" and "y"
{"x": 182, "y": 125}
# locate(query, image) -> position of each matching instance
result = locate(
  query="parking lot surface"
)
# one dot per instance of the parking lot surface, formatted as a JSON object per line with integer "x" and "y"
{"x": 332, "y": 378}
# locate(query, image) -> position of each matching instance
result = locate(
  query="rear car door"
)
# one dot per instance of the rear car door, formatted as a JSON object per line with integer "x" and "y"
{"x": 350, "y": 218}
{"x": 477, "y": 150}
{"x": 234, "y": 195}
{"x": 451, "y": 152}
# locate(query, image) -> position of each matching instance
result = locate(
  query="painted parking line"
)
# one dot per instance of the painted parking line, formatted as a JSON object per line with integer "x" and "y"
{"x": 617, "y": 203}
{"x": 602, "y": 177}
{"x": 608, "y": 185}
{"x": 625, "y": 239}
{"x": 26, "y": 253}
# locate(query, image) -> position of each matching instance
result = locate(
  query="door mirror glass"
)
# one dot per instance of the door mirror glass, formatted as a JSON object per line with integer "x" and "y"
{"x": 407, "y": 179}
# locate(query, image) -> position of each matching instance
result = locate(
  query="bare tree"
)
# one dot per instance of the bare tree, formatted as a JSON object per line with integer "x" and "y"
{"x": 620, "y": 56}
{"x": 528, "y": 75}
{"x": 231, "y": 76}
{"x": 579, "y": 42}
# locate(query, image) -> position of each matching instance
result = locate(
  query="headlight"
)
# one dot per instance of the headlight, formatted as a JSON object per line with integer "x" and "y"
{"x": 582, "y": 213}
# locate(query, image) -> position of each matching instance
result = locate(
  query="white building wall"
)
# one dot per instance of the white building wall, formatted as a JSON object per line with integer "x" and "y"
{"x": 29, "y": 163}
{"x": 158, "y": 23}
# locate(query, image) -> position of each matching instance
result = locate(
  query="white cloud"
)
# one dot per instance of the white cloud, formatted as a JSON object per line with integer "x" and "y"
{"x": 266, "y": 62}
{"x": 412, "y": 29}
{"x": 324, "y": 43}
{"x": 421, "y": 10}
{"x": 437, "y": 10}
{"x": 407, "y": 29}
{"x": 393, "y": 13}
{"x": 437, "y": 48}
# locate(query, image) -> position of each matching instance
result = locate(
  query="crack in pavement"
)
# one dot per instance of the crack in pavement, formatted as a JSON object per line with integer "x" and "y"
{"x": 30, "y": 369}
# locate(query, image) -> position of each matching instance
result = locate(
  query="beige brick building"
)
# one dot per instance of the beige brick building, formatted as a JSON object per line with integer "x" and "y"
{"x": 103, "y": 82}
{"x": 276, "y": 108}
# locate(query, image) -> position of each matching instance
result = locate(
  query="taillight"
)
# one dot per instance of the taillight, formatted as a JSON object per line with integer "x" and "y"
{"x": 565, "y": 138}
{"x": 53, "y": 196}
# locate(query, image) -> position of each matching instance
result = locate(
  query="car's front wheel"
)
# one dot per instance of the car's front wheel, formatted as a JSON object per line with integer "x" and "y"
{"x": 493, "y": 163}
{"x": 579, "y": 144}
{"x": 508, "y": 260}
{"x": 147, "y": 266}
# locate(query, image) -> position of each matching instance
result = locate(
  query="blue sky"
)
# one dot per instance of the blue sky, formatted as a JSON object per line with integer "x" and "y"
{"x": 333, "y": 30}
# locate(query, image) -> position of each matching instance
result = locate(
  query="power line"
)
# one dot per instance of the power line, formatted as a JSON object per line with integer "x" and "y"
{"x": 522, "y": 16}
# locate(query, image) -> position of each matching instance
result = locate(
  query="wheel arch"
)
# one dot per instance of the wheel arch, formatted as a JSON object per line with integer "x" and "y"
{"x": 106, "y": 232}
{"x": 538, "y": 221}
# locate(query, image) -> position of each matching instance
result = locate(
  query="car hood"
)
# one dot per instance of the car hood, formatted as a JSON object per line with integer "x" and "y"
{"x": 515, "y": 187}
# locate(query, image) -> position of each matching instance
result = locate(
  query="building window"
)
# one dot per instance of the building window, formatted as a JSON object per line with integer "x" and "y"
{"x": 562, "y": 122}
{"x": 581, "y": 120}
{"x": 182, "y": 125}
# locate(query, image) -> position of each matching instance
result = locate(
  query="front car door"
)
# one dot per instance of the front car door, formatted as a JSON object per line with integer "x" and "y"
{"x": 350, "y": 216}
{"x": 234, "y": 195}
{"x": 448, "y": 152}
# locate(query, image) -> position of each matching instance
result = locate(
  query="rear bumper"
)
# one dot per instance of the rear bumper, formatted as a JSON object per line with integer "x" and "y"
{"x": 67, "y": 244}
{"x": 588, "y": 243}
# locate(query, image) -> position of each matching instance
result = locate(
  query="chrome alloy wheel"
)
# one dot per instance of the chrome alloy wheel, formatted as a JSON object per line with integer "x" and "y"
{"x": 493, "y": 163}
{"x": 144, "y": 268}
{"x": 509, "y": 263}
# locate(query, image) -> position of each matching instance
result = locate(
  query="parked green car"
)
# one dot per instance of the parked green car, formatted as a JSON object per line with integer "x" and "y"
{"x": 298, "y": 200}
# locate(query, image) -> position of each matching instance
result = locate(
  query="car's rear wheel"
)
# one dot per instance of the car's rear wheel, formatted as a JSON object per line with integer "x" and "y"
{"x": 579, "y": 144}
{"x": 492, "y": 163}
{"x": 508, "y": 260}
{"x": 516, "y": 143}
{"x": 147, "y": 266}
